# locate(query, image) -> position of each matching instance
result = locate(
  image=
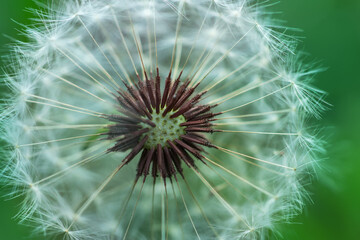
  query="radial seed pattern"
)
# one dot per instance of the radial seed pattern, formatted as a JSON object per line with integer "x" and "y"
{"x": 165, "y": 128}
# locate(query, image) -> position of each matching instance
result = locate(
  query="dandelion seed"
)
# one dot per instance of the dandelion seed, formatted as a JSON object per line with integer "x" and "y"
{"x": 157, "y": 120}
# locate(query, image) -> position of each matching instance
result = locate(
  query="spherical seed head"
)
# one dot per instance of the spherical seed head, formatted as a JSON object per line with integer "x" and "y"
{"x": 166, "y": 129}
{"x": 92, "y": 71}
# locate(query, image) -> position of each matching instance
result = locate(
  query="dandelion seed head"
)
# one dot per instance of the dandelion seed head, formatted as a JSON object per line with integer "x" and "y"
{"x": 158, "y": 119}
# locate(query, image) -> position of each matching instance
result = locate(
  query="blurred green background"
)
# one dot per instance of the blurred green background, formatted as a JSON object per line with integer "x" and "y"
{"x": 331, "y": 31}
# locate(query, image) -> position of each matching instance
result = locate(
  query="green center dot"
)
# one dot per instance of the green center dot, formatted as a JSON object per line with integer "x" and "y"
{"x": 166, "y": 129}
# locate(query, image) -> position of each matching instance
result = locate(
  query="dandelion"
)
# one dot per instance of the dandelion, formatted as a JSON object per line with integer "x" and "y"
{"x": 158, "y": 120}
